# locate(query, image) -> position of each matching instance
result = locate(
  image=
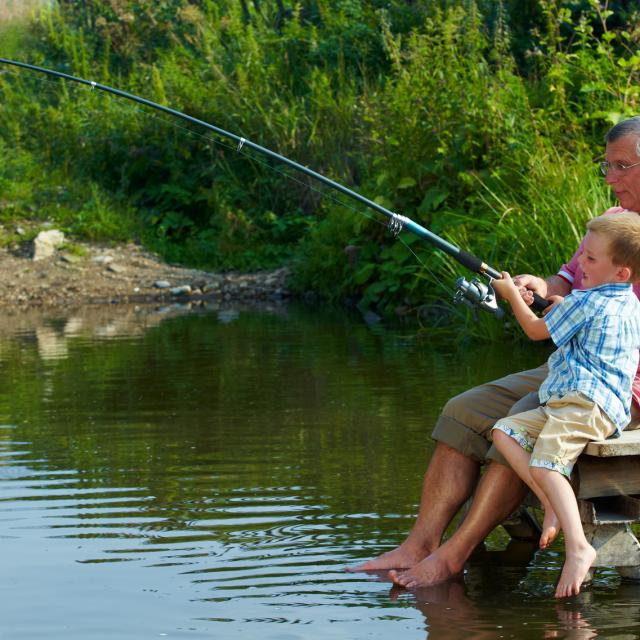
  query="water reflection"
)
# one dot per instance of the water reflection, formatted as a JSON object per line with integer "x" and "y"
{"x": 211, "y": 471}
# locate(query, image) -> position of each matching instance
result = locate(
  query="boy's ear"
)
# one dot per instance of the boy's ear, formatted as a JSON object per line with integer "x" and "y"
{"x": 623, "y": 274}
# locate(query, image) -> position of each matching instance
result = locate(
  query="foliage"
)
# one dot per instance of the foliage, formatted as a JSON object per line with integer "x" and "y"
{"x": 479, "y": 119}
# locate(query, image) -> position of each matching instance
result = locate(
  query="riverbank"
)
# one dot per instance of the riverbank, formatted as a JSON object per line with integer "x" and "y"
{"x": 93, "y": 274}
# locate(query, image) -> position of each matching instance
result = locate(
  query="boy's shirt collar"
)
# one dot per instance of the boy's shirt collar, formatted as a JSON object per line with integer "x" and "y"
{"x": 621, "y": 287}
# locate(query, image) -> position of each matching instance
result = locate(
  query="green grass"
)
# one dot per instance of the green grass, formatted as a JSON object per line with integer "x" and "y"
{"x": 436, "y": 111}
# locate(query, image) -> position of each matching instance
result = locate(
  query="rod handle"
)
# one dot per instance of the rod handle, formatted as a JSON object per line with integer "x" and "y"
{"x": 539, "y": 303}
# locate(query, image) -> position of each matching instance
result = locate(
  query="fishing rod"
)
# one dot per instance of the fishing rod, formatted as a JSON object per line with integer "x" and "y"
{"x": 474, "y": 292}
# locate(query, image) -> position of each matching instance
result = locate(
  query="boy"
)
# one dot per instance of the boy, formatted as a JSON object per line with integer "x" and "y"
{"x": 587, "y": 394}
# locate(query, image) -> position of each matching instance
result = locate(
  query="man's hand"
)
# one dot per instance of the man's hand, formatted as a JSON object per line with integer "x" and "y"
{"x": 528, "y": 285}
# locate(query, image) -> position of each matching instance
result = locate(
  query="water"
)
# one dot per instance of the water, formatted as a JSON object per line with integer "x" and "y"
{"x": 210, "y": 473}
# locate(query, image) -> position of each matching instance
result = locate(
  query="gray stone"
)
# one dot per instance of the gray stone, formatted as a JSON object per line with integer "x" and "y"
{"x": 47, "y": 243}
{"x": 184, "y": 290}
{"x": 102, "y": 259}
{"x": 161, "y": 284}
{"x": 71, "y": 258}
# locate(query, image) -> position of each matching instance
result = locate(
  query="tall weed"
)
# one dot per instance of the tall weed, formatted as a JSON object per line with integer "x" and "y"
{"x": 479, "y": 119}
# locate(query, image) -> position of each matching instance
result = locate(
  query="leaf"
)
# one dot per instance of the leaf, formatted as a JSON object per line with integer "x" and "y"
{"x": 363, "y": 274}
{"x": 593, "y": 86}
{"x": 382, "y": 201}
{"x": 406, "y": 183}
{"x": 433, "y": 199}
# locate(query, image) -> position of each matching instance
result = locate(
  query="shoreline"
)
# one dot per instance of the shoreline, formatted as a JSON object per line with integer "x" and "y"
{"x": 96, "y": 274}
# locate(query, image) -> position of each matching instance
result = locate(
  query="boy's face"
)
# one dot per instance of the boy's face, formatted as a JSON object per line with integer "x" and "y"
{"x": 595, "y": 262}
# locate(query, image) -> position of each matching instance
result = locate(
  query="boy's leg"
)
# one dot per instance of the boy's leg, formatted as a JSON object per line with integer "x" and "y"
{"x": 515, "y": 438}
{"x": 519, "y": 458}
{"x": 579, "y": 554}
{"x": 572, "y": 421}
{"x": 462, "y": 434}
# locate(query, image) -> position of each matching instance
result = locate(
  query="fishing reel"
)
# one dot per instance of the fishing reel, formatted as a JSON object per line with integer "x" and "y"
{"x": 477, "y": 294}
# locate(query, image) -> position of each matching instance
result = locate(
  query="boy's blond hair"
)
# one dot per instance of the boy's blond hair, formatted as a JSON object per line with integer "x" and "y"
{"x": 622, "y": 230}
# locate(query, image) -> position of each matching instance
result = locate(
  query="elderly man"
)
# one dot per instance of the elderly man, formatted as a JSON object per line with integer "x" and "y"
{"x": 462, "y": 430}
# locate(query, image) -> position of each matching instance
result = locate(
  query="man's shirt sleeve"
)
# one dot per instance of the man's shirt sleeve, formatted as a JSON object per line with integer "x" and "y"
{"x": 568, "y": 271}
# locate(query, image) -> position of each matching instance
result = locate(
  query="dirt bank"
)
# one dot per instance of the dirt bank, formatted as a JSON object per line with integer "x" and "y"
{"x": 123, "y": 274}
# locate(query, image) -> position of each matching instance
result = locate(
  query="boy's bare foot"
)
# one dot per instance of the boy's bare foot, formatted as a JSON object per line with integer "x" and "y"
{"x": 550, "y": 528}
{"x": 434, "y": 569}
{"x": 405, "y": 556}
{"x": 575, "y": 570}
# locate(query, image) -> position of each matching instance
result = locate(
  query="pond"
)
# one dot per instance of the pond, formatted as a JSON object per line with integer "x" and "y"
{"x": 211, "y": 472}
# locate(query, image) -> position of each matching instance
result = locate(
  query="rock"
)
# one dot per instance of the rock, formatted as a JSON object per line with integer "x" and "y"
{"x": 161, "y": 284}
{"x": 115, "y": 268}
{"x": 184, "y": 290}
{"x": 46, "y": 243}
{"x": 199, "y": 284}
{"x": 102, "y": 259}
{"x": 71, "y": 258}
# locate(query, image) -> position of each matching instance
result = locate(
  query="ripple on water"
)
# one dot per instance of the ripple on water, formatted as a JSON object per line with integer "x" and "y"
{"x": 204, "y": 479}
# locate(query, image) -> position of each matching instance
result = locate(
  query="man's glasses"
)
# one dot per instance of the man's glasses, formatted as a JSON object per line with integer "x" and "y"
{"x": 620, "y": 167}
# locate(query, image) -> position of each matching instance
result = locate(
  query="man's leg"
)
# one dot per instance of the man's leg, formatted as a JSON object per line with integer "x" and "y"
{"x": 461, "y": 432}
{"x": 499, "y": 493}
{"x": 448, "y": 482}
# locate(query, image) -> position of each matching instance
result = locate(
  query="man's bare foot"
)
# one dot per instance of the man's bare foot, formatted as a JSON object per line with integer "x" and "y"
{"x": 405, "y": 556}
{"x": 433, "y": 570}
{"x": 575, "y": 570}
{"x": 550, "y": 528}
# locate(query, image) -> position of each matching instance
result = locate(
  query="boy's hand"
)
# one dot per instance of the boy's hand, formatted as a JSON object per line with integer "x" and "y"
{"x": 505, "y": 287}
{"x": 554, "y": 300}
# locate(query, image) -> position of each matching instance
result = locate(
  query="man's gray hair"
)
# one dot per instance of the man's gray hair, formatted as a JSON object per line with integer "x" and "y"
{"x": 628, "y": 127}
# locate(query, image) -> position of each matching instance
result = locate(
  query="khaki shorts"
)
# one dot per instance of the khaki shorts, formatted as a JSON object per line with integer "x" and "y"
{"x": 556, "y": 434}
{"x": 467, "y": 419}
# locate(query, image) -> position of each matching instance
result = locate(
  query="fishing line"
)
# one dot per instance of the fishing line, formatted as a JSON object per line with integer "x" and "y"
{"x": 475, "y": 292}
{"x": 322, "y": 192}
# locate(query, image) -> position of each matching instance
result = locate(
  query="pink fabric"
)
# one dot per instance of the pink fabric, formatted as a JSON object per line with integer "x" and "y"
{"x": 572, "y": 273}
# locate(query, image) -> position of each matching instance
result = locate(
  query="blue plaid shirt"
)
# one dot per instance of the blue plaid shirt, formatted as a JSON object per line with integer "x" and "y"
{"x": 597, "y": 332}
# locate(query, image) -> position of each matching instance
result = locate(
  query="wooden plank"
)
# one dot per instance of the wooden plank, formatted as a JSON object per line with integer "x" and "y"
{"x": 628, "y": 506}
{"x": 609, "y": 510}
{"x": 628, "y": 444}
{"x": 594, "y": 477}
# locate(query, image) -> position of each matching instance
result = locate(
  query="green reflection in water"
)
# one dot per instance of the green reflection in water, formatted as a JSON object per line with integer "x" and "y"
{"x": 201, "y": 472}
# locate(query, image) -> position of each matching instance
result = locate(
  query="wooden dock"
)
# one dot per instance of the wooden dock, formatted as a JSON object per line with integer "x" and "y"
{"x": 607, "y": 483}
{"x": 606, "y": 480}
